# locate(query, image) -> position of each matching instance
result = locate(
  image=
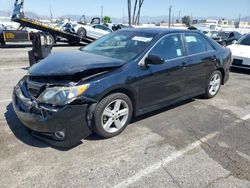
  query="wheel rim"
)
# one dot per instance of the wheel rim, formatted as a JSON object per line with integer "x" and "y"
{"x": 115, "y": 116}
{"x": 214, "y": 84}
{"x": 82, "y": 33}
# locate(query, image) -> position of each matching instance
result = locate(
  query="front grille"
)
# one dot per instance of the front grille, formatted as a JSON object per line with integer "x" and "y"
{"x": 237, "y": 62}
{"x": 35, "y": 88}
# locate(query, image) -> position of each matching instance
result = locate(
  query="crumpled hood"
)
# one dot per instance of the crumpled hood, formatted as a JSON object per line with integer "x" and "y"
{"x": 70, "y": 63}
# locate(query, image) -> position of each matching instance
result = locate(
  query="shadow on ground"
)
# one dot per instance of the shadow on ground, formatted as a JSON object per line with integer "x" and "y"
{"x": 19, "y": 130}
{"x": 23, "y": 134}
{"x": 240, "y": 71}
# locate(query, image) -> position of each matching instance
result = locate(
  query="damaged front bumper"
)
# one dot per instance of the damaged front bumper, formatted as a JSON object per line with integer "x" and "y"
{"x": 60, "y": 127}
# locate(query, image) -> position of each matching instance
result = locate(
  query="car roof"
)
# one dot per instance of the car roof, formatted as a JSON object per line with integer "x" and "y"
{"x": 159, "y": 30}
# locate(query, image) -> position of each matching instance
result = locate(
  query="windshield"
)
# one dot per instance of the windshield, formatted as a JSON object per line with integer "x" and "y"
{"x": 223, "y": 34}
{"x": 245, "y": 40}
{"x": 122, "y": 45}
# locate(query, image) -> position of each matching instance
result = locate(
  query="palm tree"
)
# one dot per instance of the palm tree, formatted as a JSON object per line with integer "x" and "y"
{"x": 135, "y": 8}
{"x": 129, "y": 12}
{"x": 136, "y": 15}
{"x": 137, "y": 20}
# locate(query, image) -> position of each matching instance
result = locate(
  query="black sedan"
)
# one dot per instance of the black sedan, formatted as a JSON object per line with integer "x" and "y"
{"x": 227, "y": 37}
{"x": 124, "y": 74}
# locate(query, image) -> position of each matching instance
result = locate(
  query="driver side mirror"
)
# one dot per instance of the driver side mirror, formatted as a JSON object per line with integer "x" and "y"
{"x": 154, "y": 60}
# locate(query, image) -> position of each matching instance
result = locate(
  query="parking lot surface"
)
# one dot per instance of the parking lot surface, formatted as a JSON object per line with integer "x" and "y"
{"x": 198, "y": 143}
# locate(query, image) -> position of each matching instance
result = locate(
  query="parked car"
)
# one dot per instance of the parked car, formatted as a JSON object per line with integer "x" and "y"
{"x": 210, "y": 33}
{"x": 215, "y": 27}
{"x": 241, "y": 52}
{"x": 127, "y": 73}
{"x": 227, "y": 37}
{"x": 116, "y": 27}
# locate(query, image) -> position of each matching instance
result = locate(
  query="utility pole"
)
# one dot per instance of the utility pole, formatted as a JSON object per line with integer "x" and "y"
{"x": 123, "y": 17}
{"x": 101, "y": 13}
{"x": 239, "y": 21}
{"x": 51, "y": 15}
{"x": 191, "y": 19}
{"x": 173, "y": 16}
{"x": 169, "y": 17}
{"x": 179, "y": 17}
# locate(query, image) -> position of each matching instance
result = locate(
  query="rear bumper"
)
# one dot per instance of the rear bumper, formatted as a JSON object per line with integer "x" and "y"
{"x": 241, "y": 62}
{"x": 63, "y": 127}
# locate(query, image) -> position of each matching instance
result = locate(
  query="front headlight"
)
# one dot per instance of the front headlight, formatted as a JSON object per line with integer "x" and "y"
{"x": 59, "y": 96}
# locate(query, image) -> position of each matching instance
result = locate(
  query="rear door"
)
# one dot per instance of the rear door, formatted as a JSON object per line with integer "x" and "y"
{"x": 202, "y": 58}
{"x": 166, "y": 82}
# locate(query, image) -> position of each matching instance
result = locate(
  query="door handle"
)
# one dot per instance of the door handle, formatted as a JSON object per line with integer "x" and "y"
{"x": 184, "y": 64}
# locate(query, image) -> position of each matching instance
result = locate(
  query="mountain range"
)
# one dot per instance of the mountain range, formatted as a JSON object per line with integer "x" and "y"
{"x": 144, "y": 19}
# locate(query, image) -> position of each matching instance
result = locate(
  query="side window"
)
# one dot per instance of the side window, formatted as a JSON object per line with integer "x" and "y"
{"x": 209, "y": 46}
{"x": 197, "y": 44}
{"x": 103, "y": 28}
{"x": 170, "y": 47}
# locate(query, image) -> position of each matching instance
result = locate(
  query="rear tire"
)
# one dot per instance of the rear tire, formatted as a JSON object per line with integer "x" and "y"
{"x": 214, "y": 84}
{"x": 112, "y": 115}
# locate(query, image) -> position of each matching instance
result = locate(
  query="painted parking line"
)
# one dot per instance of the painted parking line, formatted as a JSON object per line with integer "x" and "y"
{"x": 11, "y": 68}
{"x": 246, "y": 117}
{"x": 5, "y": 100}
{"x": 144, "y": 172}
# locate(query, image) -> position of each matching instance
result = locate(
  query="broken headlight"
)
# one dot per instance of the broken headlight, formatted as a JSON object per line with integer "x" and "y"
{"x": 59, "y": 96}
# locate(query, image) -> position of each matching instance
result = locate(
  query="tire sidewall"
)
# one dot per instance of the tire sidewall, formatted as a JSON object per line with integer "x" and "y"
{"x": 97, "y": 124}
{"x": 82, "y": 30}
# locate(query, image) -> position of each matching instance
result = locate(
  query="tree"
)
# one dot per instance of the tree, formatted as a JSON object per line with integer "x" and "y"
{"x": 135, "y": 18}
{"x": 106, "y": 19}
{"x": 186, "y": 20}
{"x": 139, "y": 12}
{"x": 135, "y": 8}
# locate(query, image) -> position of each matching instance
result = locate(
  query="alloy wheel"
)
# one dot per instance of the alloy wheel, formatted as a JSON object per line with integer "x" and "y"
{"x": 214, "y": 84}
{"x": 115, "y": 116}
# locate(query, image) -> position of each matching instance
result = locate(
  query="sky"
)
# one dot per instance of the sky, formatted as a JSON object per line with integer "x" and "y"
{"x": 114, "y": 8}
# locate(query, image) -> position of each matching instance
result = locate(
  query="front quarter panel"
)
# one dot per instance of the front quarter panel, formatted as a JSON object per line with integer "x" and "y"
{"x": 123, "y": 78}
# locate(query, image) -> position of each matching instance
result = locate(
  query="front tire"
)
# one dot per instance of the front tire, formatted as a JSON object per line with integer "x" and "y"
{"x": 213, "y": 85}
{"x": 112, "y": 115}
